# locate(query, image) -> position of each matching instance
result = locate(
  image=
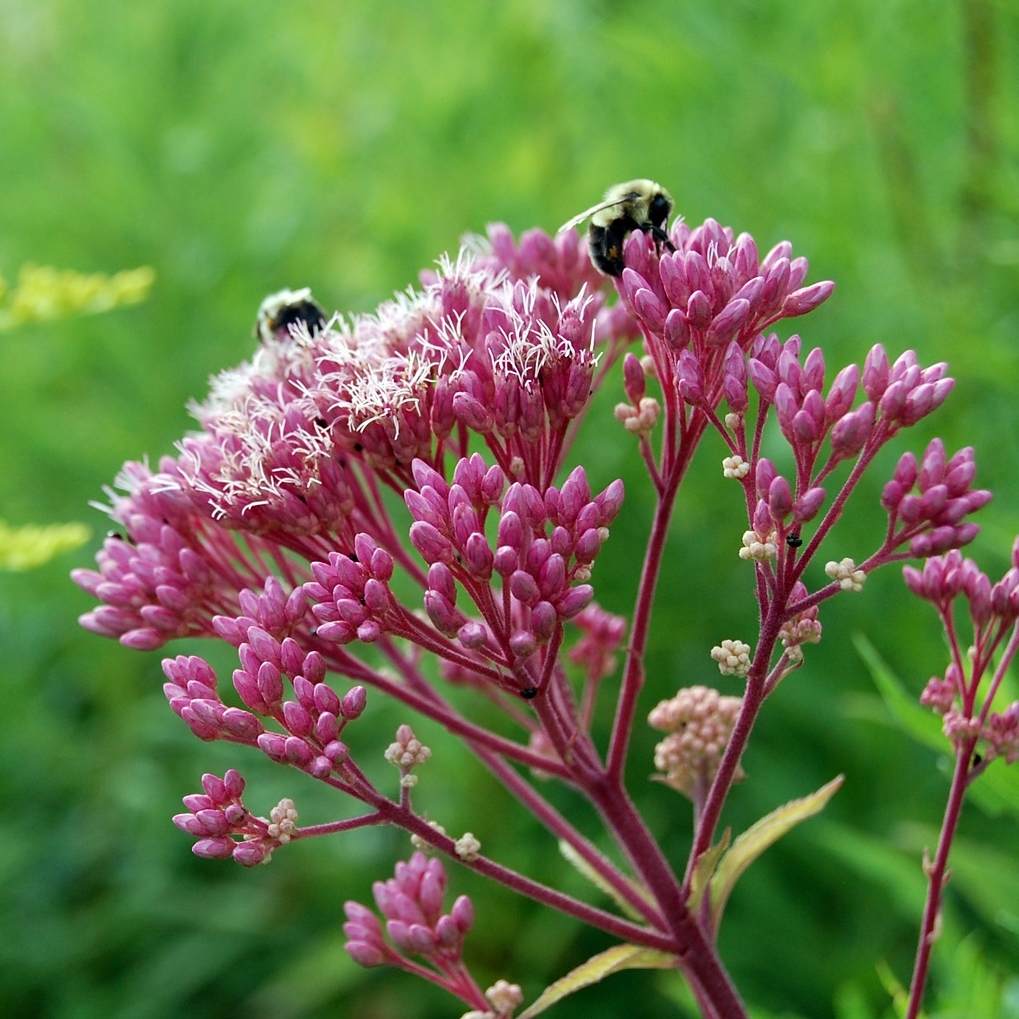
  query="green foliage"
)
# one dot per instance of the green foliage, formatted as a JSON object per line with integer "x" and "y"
{"x": 238, "y": 148}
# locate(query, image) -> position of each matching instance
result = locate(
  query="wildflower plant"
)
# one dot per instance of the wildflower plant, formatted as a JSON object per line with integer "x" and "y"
{"x": 273, "y": 528}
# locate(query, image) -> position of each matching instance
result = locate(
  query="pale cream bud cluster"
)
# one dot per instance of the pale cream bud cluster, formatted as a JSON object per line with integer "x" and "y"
{"x": 639, "y": 420}
{"x": 733, "y": 657}
{"x": 468, "y": 848}
{"x": 735, "y": 467}
{"x": 406, "y": 753}
{"x": 282, "y": 821}
{"x": 420, "y": 844}
{"x": 845, "y": 572}
{"x": 699, "y": 722}
{"x": 758, "y": 547}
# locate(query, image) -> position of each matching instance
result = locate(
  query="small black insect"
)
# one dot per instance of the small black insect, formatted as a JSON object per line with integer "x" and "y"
{"x": 793, "y": 540}
{"x": 529, "y": 692}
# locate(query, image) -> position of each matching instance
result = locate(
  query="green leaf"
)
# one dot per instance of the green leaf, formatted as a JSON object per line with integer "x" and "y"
{"x": 595, "y": 970}
{"x": 704, "y": 868}
{"x": 600, "y": 883}
{"x": 905, "y": 708}
{"x": 21, "y": 548}
{"x": 759, "y": 836}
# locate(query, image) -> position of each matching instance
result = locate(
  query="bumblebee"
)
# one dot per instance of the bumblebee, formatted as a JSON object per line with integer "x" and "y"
{"x": 636, "y": 205}
{"x": 278, "y": 312}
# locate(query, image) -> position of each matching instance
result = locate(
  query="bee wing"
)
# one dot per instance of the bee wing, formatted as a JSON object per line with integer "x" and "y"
{"x": 581, "y": 216}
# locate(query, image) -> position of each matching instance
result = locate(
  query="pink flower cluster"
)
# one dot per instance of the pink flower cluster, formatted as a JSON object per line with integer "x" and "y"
{"x": 411, "y": 903}
{"x": 370, "y": 496}
{"x": 972, "y": 681}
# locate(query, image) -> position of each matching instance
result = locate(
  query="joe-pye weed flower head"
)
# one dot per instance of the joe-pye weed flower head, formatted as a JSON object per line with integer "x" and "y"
{"x": 270, "y": 530}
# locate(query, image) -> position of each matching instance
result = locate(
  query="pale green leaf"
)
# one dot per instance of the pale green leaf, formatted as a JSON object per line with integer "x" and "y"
{"x": 759, "y": 836}
{"x": 596, "y": 969}
{"x": 21, "y": 548}
{"x": 600, "y": 883}
{"x": 704, "y": 868}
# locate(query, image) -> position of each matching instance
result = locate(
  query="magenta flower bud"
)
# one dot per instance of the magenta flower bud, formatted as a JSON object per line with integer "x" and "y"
{"x": 270, "y": 683}
{"x": 432, "y": 546}
{"x": 552, "y": 576}
{"x": 445, "y": 617}
{"x": 472, "y": 635}
{"x": 364, "y": 954}
{"x": 674, "y": 280}
{"x": 214, "y": 849}
{"x": 506, "y": 561}
{"x": 543, "y": 621}
{"x": 933, "y": 465}
{"x": 807, "y": 506}
{"x": 780, "y": 499}
{"x": 906, "y": 470}
{"x": 229, "y": 630}
{"x": 763, "y": 378}
{"x": 805, "y": 426}
{"x": 851, "y": 432}
{"x": 575, "y": 494}
{"x": 422, "y": 509}
{"x": 575, "y": 600}
{"x": 297, "y": 720}
{"x": 478, "y": 556}
{"x": 212, "y": 822}
{"x": 763, "y": 478}
{"x": 447, "y": 934}
{"x": 432, "y": 889}
{"x": 463, "y": 913}
{"x": 241, "y": 725}
{"x": 727, "y": 323}
{"x": 786, "y": 408}
{"x": 933, "y": 501}
{"x": 634, "y": 380}
{"x": 247, "y": 688}
{"x": 381, "y": 565}
{"x": 609, "y": 502}
{"x": 337, "y": 752}
{"x": 140, "y": 639}
{"x": 264, "y": 645}
{"x": 376, "y": 597}
{"x": 698, "y": 311}
{"x": 369, "y": 631}
{"x": 649, "y": 310}
{"x": 472, "y": 413}
{"x": 689, "y": 377}
{"x": 353, "y": 703}
{"x": 523, "y": 643}
{"x": 189, "y": 824}
{"x": 511, "y": 531}
{"x": 734, "y": 379}
{"x": 876, "y": 373}
{"x": 249, "y": 854}
{"x": 677, "y": 330}
{"x": 442, "y": 581}
{"x": 909, "y": 509}
{"x": 273, "y": 746}
{"x": 805, "y": 300}
{"x": 291, "y": 657}
{"x": 327, "y": 727}
{"x": 893, "y": 401}
{"x": 588, "y": 546}
{"x": 298, "y": 752}
{"x": 426, "y": 477}
{"x": 524, "y": 588}
{"x": 493, "y": 485}
{"x": 215, "y": 789}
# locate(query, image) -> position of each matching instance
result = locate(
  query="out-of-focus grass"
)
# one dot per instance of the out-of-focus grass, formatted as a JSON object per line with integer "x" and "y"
{"x": 239, "y": 148}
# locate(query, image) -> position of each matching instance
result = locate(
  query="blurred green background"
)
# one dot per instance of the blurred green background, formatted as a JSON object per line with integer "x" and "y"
{"x": 242, "y": 147}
